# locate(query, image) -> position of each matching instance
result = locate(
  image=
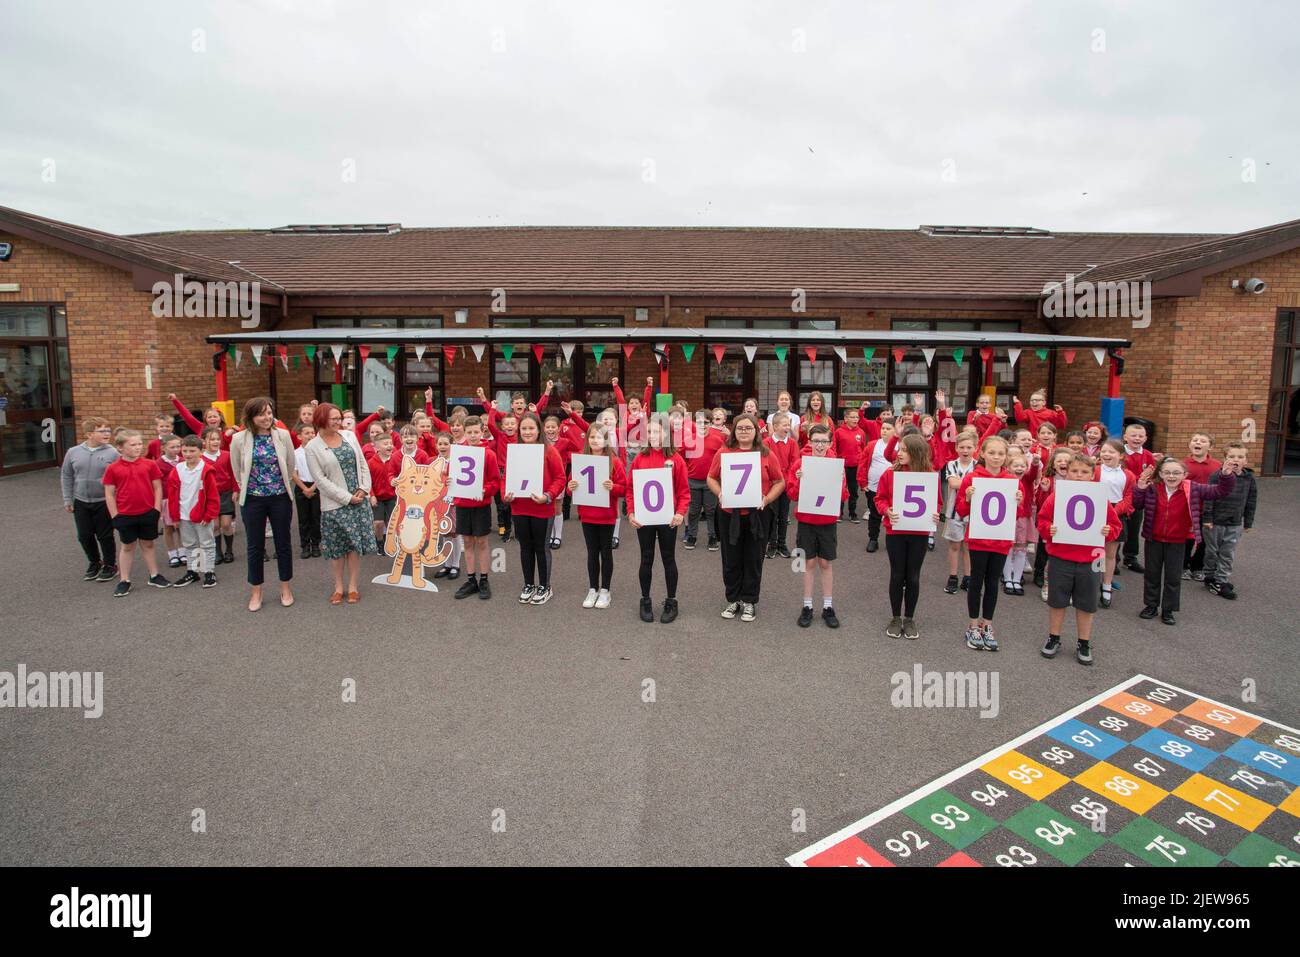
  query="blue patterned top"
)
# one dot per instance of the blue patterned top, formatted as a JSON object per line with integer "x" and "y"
{"x": 264, "y": 477}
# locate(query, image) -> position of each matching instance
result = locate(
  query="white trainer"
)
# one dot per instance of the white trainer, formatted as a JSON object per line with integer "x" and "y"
{"x": 590, "y": 600}
{"x": 602, "y": 598}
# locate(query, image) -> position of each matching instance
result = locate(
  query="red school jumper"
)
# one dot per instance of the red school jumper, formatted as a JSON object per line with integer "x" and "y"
{"x": 963, "y": 510}
{"x": 552, "y": 485}
{"x": 607, "y": 515}
{"x": 1073, "y": 553}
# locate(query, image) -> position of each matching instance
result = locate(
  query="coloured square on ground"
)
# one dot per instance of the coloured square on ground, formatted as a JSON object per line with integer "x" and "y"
{"x": 1055, "y": 833}
{"x": 1142, "y": 765}
{"x": 904, "y": 843}
{"x": 1223, "y": 801}
{"x": 1004, "y": 848}
{"x": 1275, "y": 737}
{"x": 1124, "y": 727}
{"x": 1127, "y": 706}
{"x": 1099, "y": 813}
{"x": 1194, "y": 824}
{"x": 1199, "y": 733}
{"x": 1126, "y": 788}
{"x": 1067, "y": 759}
{"x": 1258, "y": 851}
{"x": 1268, "y": 788}
{"x": 950, "y": 819}
{"x": 1266, "y": 760}
{"x": 1024, "y": 774}
{"x": 1163, "y": 847}
{"x": 1079, "y": 737}
{"x": 989, "y": 795}
{"x": 1170, "y": 748}
{"x": 1162, "y": 695}
{"x": 1221, "y": 716}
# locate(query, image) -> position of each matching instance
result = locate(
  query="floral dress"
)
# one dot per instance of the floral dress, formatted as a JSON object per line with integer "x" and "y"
{"x": 349, "y": 528}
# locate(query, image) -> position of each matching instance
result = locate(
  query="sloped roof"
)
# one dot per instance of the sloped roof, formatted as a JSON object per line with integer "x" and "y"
{"x": 1199, "y": 256}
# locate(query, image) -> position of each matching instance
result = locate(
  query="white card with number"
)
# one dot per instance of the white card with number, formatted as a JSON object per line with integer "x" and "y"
{"x": 1079, "y": 513}
{"x": 652, "y": 496}
{"x": 524, "y": 469}
{"x": 821, "y": 483}
{"x": 993, "y": 509}
{"x": 590, "y": 472}
{"x": 916, "y": 499}
{"x": 742, "y": 479}
{"x": 465, "y": 473}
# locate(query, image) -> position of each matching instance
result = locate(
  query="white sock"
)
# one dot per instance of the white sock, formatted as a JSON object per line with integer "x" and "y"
{"x": 618, "y": 523}
{"x": 557, "y": 527}
{"x": 807, "y": 602}
{"x": 826, "y": 601}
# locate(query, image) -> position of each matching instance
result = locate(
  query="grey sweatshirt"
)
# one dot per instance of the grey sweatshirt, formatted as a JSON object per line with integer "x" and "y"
{"x": 83, "y": 472}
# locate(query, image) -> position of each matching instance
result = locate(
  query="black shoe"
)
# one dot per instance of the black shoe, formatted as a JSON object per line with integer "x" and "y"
{"x": 315, "y": 550}
{"x": 505, "y": 538}
{"x": 1083, "y": 652}
{"x": 442, "y": 572}
{"x": 541, "y": 595}
{"x": 1050, "y": 649}
{"x": 771, "y": 552}
{"x": 670, "y": 611}
{"x": 92, "y": 572}
{"x": 1007, "y": 589}
{"x": 713, "y": 544}
{"x": 929, "y": 545}
{"x": 209, "y": 579}
{"x": 873, "y": 545}
{"x": 647, "y": 610}
{"x": 469, "y": 588}
{"x": 783, "y": 551}
{"x": 1135, "y": 566}
{"x": 106, "y": 573}
{"x": 187, "y": 579}
{"x": 1168, "y": 618}
{"x": 453, "y": 573}
{"x": 614, "y": 543}
{"x": 854, "y": 520}
{"x": 306, "y": 553}
{"x": 173, "y": 562}
{"x": 484, "y": 589}
{"x": 828, "y": 616}
{"x": 951, "y": 587}
{"x": 159, "y": 582}
{"x": 805, "y": 617}
{"x": 965, "y": 583}
{"x": 1227, "y": 591}
{"x": 910, "y": 631}
{"x": 555, "y": 543}
{"x": 690, "y": 543}
{"x": 1039, "y": 579}
{"x": 1104, "y": 600}
{"x": 1149, "y": 612}
{"x": 122, "y": 590}
{"x": 1212, "y": 585}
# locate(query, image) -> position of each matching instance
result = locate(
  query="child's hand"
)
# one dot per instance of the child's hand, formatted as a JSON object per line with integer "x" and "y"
{"x": 1051, "y": 530}
{"x": 479, "y": 392}
{"x": 172, "y": 396}
{"x": 677, "y": 520}
{"x": 1105, "y": 530}
{"x": 550, "y": 385}
{"x": 1058, "y": 408}
{"x": 934, "y": 517}
{"x": 508, "y": 497}
{"x": 892, "y": 515}
{"x": 539, "y": 498}
{"x": 608, "y": 484}
{"x": 428, "y": 393}
{"x": 954, "y": 482}
{"x": 1020, "y": 495}
{"x": 970, "y": 490}
{"x": 614, "y": 381}
{"x": 633, "y": 522}
{"x": 650, "y": 381}
{"x": 373, "y": 501}
{"x": 572, "y": 485}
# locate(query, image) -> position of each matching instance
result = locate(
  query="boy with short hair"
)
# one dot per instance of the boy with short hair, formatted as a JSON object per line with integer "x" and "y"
{"x": 954, "y": 526}
{"x": 194, "y": 503}
{"x": 1073, "y": 574}
{"x": 850, "y": 444}
{"x": 384, "y": 467}
{"x": 164, "y": 424}
{"x": 226, "y": 488}
{"x": 1200, "y": 466}
{"x": 305, "y": 495}
{"x": 82, "y": 480}
{"x": 1230, "y": 518}
{"x": 474, "y": 515}
{"x": 133, "y": 493}
{"x": 817, "y": 534}
{"x": 167, "y": 462}
{"x": 1137, "y": 459}
{"x": 785, "y": 447}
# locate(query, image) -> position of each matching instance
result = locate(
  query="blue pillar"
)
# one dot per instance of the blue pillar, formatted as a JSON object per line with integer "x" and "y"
{"x": 1112, "y": 415}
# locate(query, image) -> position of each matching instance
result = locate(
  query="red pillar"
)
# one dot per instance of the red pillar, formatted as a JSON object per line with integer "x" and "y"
{"x": 222, "y": 388}
{"x": 1112, "y": 387}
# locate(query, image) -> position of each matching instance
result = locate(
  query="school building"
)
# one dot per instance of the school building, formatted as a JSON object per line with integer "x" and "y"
{"x": 1206, "y": 327}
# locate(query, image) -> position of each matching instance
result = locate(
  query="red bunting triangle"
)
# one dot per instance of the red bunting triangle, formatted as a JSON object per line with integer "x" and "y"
{"x": 449, "y": 353}
{"x": 539, "y": 350}
{"x": 986, "y": 353}
{"x": 811, "y": 353}
{"x": 718, "y": 352}
{"x": 1069, "y": 355}
{"x": 364, "y": 351}
{"x": 627, "y": 349}
{"x": 898, "y": 355}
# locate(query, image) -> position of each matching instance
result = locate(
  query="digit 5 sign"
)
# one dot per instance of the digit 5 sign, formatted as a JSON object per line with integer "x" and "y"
{"x": 916, "y": 499}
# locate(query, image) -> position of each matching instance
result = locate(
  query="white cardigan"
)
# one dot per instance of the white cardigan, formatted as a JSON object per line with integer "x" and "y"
{"x": 241, "y": 458}
{"x": 329, "y": 474}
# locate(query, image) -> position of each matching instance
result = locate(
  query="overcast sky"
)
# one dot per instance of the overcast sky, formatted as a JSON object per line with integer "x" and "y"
{"x": 1083, "y": 116}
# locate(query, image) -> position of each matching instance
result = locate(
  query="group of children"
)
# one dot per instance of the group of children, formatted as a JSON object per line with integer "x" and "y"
{"x": 1191, "y": 512}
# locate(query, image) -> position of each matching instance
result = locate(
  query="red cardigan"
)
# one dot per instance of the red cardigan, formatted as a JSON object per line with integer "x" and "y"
{"x": 208, "y": 504}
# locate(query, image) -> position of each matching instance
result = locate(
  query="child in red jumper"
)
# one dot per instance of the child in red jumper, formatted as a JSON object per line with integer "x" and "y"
{"x": 1137, "y": 459}
{"x": 657, "y": 453}
{"x": 227, "y": 488}
{"x": 906, "y": 548}
{"x": 1073, "y": 569}
{"x": 987, "y": 556}
{"x": 167, "y": 461}
{"x": 703, "y": 501}
{"x": 817, "y": 534}
{"x": 384, "y": 467}
{"x": 133, "y": 494}
{"x": 531, "y": 513}
{"x": 474, "y": 515}
{"x": 212, "y": 419}
{"x": 1038, "y": 412}
{"x": 1057, "y": 462}
{"x": 164, "y": 423}
{"x": 1200, "y": 466}
{"x": 194, "y": 502}
{"x": 1171, "y": 515}
{"x": 850, "y": 445}
{"x": 598, "y": 520}
{"x": 785, "y": 447}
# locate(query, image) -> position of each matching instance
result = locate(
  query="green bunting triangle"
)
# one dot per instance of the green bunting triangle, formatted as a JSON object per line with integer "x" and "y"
{"x": 1041, "y": 353}
{"x": 781, "y": 352}
{"x": 959, "y": 354}
{"x": 688, "y": 350}
{"x": 311, "y": 352}
{"x": 392, "y": 353}
{"x": 508, "y": 351}
{"x": 598, "y": 352}
{"x": 868, "y": 353}
{"x": 295, "y": 363}
{"x": 231, "y": 350}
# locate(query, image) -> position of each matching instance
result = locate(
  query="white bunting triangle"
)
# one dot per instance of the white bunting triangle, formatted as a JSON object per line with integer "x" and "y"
{"x": 284, "y": 359}
{"x": 1013, "y": 355}
{"x": 419, "y": 352}
{"x": 1100, "y": 356}
{"x": 661, "y": 350}
{"x": 257, "y": 354}
{"x": 338, "y": 353}
{"x": 567, "y": 349}
{"x": 842, "y": 352}
{"x": 478, "y": 348}
{"x": 929, "y": 355}
{"x": 750, "y": 352}
{"x": 238, "y": 358}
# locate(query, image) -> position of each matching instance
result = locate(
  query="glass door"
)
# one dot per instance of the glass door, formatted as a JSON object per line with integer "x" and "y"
{"x": 1282, "y": 428}
{"x": 28, "y": 417}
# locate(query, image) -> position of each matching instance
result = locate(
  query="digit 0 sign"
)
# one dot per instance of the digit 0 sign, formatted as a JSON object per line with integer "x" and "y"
{"x": 993, "y": 509}
{"x": 1080, "y": 512}
{"x": 652, "y": 495}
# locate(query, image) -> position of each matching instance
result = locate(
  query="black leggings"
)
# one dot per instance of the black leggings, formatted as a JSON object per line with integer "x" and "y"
{"x": 600, "y": 554}
{"x": 906, "y": 555}
{"x": 666, "y": 536}
{"x": 986, "y": 577}
{"x": 533, "y": 551}
{"x": 95, "y": 531}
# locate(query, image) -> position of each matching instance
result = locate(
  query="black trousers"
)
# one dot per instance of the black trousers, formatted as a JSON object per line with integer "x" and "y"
{"x": 666, "y": 537}
{"x": 534, "y": 552}
{"x": 95, "y": 531}
{"x": 503, "y": 513}
{"x": 568, "y": 499}
{"x": 256, "y": 511}
{"x": 875, "y": 518}
{"x": 851, "y": 478}
{"x": 779, "y": 522}
{"x": 1133, "y": 533}
{"x": 600, "y": 554}
{"x": 1195, "y": 556}
{"x": 308, "y": 517}
{"x": 1040, "y": 559}
{"x": 742, "y": 559}
{"x": 906, "y": 555}
{"x": 985, "y": 583}
{"x": 1163, "y": 575}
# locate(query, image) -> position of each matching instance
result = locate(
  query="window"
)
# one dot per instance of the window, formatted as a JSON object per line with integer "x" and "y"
{"x": 729, "y": 383}
{"x": 580, "y": 377}
{"x": 397, "y": 384}
{"x": 35, "y": 387}
{"x": 960, "y": 383}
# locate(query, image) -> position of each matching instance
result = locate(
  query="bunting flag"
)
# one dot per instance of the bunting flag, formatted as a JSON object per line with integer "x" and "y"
{"x": 311, "y": 353}
{"x": 986, "y": 354}
{"x": 1041, "y": 353}
{"x": 598, "y": 352}
{"x": 842, "y": 352}
{"x": 628, "y": 348}
{"x": 810, "y": 352}
{"x": 539, "y": 351}
{"x": 284, "y": 357}
{"x": 449, "y": 353}
{"x": 257, "y": 355}
{"x": 478, "y": 348}
{"x": 929, "y": 356}
{"x": 392, "y": 352}
{"x": 1013, "y": 355}
{"x": 1100, "y": 356}
{"x": 419, "y": 353}
{"x": 238, "y": 356}
{"x": 898, "y": 355}
{"x": 567, "y": 349}
{"x": 1069, "y": 355}
{"x": 508, "y": 350}
{"x": 750, "y": 352}
{"x": 338, "y": 353}
{"x": 719, "y": 351}
{"x": 959, "y": 354}
{"x": 781, "y": 352}
{"x": 295, "y": 363}
{"x": 661, "y": 351}
{"x": 868, "y": 353}
{"x": 364, "y": 352}
{"x": 688, "y": 350}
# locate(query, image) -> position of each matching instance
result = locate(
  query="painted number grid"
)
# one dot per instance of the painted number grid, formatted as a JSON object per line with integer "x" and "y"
{"x": 1144, "y": 774}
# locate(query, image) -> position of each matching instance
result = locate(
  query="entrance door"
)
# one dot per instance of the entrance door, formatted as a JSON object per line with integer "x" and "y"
{"x": 28, "y": 417}
{"x": 1282, "y": 430}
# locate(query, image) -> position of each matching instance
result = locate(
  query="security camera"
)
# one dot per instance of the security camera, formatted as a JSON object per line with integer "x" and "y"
{"x": 1256, "y": 286}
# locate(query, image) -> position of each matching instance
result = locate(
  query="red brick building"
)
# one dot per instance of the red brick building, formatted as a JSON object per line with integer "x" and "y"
{"x": 82, "y": 331}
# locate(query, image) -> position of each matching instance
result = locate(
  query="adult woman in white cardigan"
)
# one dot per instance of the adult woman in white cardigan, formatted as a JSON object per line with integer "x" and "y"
{"x": 346, "y": 523}
{"x": 261, "y": 456}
